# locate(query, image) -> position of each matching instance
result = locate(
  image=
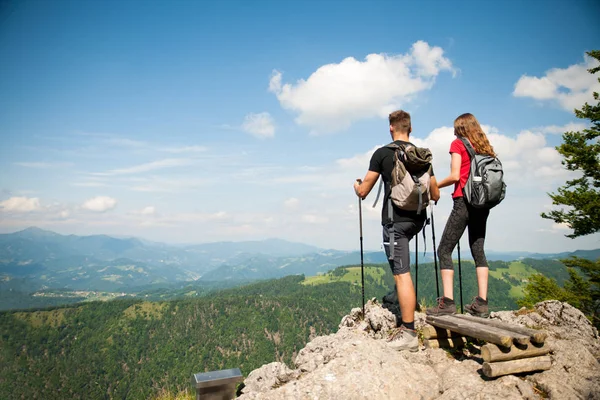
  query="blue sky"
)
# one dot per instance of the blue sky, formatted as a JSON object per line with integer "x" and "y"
{"x": 188, "y": 121}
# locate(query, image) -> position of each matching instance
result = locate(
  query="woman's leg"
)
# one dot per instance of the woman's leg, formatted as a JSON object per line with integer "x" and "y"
{"x": 455, "y": 227}
{"x": 477, "y": 227}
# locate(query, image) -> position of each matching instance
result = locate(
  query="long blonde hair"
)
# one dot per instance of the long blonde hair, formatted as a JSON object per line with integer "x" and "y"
{"x": 467, "y": 126}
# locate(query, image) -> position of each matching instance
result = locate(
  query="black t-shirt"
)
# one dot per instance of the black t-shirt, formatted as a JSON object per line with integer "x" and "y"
{"x": 382, "y": 162}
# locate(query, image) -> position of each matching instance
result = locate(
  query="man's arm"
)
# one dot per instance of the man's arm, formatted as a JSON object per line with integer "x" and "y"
{"x": 363, "y": 188}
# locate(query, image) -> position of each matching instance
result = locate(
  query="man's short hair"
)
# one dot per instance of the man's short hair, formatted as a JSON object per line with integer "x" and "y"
{"x": 400, "y": 121}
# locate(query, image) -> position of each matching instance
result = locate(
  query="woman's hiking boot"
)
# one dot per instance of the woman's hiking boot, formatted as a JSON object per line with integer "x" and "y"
{"x": 445, "y": 306}
{"x": 404, "y": 339}
{"x": 478, "y": 308}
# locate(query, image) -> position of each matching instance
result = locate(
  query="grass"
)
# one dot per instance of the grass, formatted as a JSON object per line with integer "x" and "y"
{"x": 350, "y": 274}
{"x": 146, "y": 309}
{"x": 516, "y": 270}
{"x": 53, "y": 318}
{"x": 164, "y": 394}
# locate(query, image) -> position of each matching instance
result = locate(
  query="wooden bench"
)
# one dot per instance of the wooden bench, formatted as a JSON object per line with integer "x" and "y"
{"x": 510, "y": 349}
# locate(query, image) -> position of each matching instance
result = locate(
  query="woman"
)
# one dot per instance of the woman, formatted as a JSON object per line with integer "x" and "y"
{"x": 464, "y": 216}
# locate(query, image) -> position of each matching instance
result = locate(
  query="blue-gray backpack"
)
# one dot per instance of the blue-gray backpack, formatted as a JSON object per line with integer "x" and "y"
{"x": 485, "y": 187}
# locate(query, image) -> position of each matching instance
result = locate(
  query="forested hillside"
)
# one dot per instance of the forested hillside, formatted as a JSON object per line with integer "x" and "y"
{"x": 133, "y": 349}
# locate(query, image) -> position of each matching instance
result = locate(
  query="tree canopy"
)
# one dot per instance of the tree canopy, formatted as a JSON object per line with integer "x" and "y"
{"x": 581, "y": 152}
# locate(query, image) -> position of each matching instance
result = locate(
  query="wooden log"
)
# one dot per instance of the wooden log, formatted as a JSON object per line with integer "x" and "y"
{"x": 492, "y": 353}
{"x": 479, "y": 331}
{"x": 537, "y": 336}
{"x": 492, "y": 370}
{"x": 517, "y": 337}
{"x": 431, "y": 332}
{"x": 445, "y": 343}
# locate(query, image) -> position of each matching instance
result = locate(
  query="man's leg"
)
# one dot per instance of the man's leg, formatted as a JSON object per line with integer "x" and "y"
{"x": 404, "y": 231}
{"x": 406, "y": 298}
{"x": 406, "y": 338}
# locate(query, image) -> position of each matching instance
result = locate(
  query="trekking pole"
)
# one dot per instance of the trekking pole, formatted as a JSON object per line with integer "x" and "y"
{"x": 435, "y": 264}
{"x": 417, "y": 270}
{"x": 460, "y": 279}
{"x": 362, "y": 272}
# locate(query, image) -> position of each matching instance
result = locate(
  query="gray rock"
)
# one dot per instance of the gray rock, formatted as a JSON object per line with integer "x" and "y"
{"x": 355, "y": 363}
{"x": 268, "y": 377}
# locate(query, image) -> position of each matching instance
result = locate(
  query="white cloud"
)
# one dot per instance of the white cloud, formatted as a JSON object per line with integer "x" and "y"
{"x": 562, "y": 228}
{"x": 150, "y": 210}
{"x": 291, "y": 203}
{"x": 260, "y": 125}
{"x": 526, "y": 158}
{"x": 21, "y": 204}
{"x": 336, "y": 95}
{"x": 151, "y": 166}
{"x": 570, "y": 87}
{"x": 359, "y": 160}
{"x": 555, "y": 129}
{"x": 100, "y": 204}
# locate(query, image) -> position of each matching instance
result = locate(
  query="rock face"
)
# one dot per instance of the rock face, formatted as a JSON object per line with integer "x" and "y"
{"x": 356, "y": 363}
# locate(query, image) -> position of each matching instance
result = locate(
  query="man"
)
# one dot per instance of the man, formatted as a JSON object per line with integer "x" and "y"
{"x": 405, "y": 225}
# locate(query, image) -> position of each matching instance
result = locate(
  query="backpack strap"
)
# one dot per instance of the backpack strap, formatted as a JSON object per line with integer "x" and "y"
{"x": 378, "y": 192}
{"x": 394, "y": 147}
{"x": 471, "y": 151}
{"x": 391, "y": 227}
{"x": 418, "y": 185}
{"x": 427, "y": 222}
{"x": 468, "y": 146}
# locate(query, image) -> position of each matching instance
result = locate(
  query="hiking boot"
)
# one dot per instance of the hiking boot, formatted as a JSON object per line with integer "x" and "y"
{"x": 445, "y": 306}
{"x": 478, "y": 308}
{"x": 404, "y": 339}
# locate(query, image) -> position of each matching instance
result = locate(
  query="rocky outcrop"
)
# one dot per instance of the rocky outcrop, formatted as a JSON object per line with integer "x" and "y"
{"x": 356, "y": 363}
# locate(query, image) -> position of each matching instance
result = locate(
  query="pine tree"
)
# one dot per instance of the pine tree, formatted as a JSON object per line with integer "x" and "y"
{"x": 585, "y": 292}
{"x": 581, "y": 152}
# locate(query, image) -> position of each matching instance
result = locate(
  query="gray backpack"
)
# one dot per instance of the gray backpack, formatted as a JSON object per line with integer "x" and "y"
{"x": 485, "y": 187}
{"x": 411, "y": 178}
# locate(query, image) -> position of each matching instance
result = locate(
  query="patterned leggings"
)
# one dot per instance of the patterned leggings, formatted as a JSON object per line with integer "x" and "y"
{"x": 461, "y": 217}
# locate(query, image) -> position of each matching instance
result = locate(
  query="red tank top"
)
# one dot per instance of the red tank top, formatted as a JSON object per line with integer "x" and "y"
{"x": 458, "y": 147}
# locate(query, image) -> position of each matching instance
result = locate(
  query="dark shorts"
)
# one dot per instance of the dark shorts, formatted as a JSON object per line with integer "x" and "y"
{"x": 403, "y": 232}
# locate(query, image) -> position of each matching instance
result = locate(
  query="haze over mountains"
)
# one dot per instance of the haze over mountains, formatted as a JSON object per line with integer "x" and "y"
{"x": 35, "y": 259}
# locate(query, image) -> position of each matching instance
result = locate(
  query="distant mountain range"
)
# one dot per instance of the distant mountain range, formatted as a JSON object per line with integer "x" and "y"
{"x": 35, "y": 259}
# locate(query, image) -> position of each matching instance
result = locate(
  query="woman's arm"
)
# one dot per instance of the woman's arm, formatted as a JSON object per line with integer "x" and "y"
{"x": 455, "y": 163}
{"x": 434, "y": 190}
